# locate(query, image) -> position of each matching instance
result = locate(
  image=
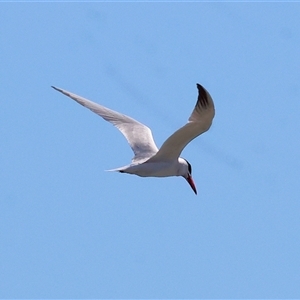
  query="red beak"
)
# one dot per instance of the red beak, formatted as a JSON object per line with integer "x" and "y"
{"x": 191, "y": 183}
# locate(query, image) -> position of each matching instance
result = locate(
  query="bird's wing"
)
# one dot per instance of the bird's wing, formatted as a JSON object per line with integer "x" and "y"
{"x": 137, "y": 134}
{"x": 199, "y": 122}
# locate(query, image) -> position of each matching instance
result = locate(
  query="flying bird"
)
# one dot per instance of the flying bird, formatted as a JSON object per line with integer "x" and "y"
{"x": 148, "y": 160}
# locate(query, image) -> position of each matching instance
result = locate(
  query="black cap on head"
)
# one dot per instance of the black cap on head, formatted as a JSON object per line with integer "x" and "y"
{"x": 189, "y": 166}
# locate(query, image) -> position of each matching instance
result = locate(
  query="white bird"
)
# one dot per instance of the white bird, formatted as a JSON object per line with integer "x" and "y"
{"x": 148, "y": 161}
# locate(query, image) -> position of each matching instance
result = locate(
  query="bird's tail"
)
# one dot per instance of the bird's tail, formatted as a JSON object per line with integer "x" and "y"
{"x": 121, "y": 169}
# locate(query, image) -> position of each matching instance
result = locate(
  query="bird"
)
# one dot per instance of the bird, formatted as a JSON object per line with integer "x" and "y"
{"x": 148, "y": 160}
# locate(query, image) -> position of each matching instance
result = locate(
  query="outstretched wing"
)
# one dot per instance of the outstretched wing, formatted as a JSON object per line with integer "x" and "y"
{"x": 138, "y": 135}
{"x": 199, "y": 122}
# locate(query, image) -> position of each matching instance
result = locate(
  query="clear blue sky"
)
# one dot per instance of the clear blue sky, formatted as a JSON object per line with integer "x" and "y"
{"x": 69, "y": 229}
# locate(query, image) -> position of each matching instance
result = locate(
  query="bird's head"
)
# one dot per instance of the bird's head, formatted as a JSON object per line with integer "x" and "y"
{"x": 186, "y": 170}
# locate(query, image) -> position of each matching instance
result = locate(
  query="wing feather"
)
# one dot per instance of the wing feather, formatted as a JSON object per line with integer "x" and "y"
{"x": 138, "y": 135}
{"x": 199, "y": 121}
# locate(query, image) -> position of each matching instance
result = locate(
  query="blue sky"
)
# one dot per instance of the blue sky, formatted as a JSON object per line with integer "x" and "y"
{"x": 69, "y": 229}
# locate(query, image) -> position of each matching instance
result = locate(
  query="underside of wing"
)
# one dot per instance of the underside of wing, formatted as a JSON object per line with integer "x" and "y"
{"x": 199, "y": 122}
{"x": 138, "y": 135}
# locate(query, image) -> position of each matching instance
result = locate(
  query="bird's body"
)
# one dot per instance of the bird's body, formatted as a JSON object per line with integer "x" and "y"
{"x": 155, "y": 169}
{"x": 148, "y": 160}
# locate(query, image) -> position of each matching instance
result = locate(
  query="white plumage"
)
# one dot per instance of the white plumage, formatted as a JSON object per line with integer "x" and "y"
{"x": 148, "y": 160}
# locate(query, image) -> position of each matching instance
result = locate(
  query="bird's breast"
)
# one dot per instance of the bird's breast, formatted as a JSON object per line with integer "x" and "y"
{"x": 156, "y": 169}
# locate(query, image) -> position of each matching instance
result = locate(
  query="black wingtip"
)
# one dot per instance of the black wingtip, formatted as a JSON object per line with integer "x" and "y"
{"x": 57, "y": 89}
{"x": 200, "y": 87}
{"x": 202, "y": 96}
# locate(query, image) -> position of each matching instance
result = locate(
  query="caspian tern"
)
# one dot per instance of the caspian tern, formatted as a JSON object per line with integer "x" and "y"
{"x": 148, "y": 161}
